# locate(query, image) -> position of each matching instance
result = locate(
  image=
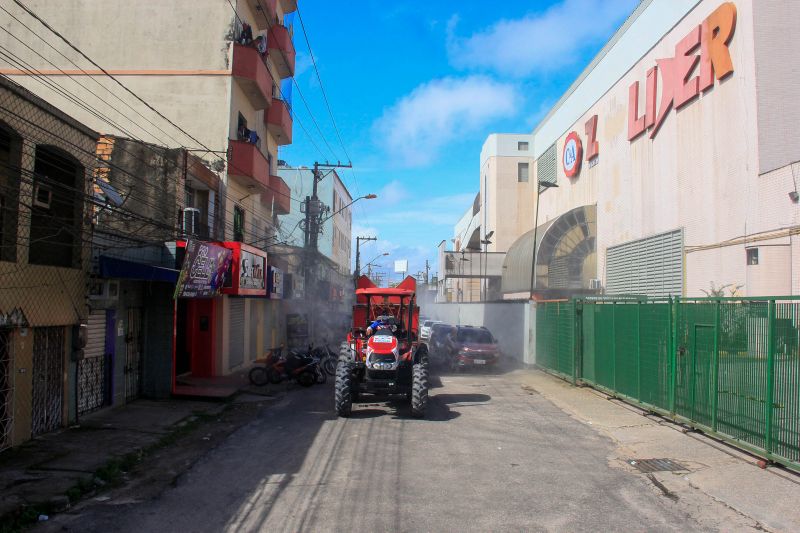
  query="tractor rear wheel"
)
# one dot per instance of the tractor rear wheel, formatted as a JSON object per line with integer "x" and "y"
{"x": 419, "y": 389}
{"x": 343, "y": 395}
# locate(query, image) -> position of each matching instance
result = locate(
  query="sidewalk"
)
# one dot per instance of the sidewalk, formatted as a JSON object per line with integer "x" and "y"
{"x": 719, "y": 481}
{"x": 47, "y": 473}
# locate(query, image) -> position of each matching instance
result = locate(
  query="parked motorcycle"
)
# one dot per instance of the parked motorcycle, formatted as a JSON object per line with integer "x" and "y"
{"x": 302, "y": 368}
{"x": 327, "y": 358}
{"x": 259, "y": 375}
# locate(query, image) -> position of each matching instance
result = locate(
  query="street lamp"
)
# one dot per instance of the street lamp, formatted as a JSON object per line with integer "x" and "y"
{"x": 384, "y": 254}
{"x": 365, "y": 197}
{"x": 542, "y": 186}
{"x": 486, "y": 242}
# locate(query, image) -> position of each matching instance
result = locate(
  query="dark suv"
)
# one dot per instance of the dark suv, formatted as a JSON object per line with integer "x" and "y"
{"x": 476, "y": 348}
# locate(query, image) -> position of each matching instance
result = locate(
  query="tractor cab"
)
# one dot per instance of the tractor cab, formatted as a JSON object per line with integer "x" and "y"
{"x": 385, "y": 359}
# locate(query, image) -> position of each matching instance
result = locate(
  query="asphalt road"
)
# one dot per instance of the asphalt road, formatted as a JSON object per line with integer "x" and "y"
{"x": 490, "y": 457}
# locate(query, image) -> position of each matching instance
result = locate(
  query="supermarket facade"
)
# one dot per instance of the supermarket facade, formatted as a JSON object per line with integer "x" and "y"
{"x": 675, "y": 161}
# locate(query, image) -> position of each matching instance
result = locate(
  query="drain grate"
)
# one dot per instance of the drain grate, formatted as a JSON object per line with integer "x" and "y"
{"x": 656, "y": 465}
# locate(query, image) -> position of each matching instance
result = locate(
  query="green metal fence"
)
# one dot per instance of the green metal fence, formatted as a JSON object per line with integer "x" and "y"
{"x": 730, "y": 367}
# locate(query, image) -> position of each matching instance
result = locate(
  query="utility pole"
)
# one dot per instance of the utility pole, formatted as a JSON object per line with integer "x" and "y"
{"x": 358, "y": 256}
{"x": 314, "y": 210}
{"x": 427, "y": 271}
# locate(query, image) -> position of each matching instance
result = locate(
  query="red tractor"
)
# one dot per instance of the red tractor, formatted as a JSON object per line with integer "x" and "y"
{"x": 389, "y": 359}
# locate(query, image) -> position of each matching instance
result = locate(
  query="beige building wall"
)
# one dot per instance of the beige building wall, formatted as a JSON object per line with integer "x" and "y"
{"x": 507, "y": 204}
{"x": 700, "y": 172}
{"x": 343, "y": 223}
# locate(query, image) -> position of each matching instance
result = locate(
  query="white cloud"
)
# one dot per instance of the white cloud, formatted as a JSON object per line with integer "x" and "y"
{"x": 420, "y": 124}
{"x": 392, "y": 193}
{"x": 538, "y": 42}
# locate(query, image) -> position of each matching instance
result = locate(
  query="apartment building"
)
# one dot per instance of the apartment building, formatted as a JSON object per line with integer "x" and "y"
{"x": 218, "y": 70}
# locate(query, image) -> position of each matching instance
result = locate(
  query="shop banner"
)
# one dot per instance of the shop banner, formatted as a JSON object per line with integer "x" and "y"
{"x": 251, "y": 270}
{"x": 203, "y": 271}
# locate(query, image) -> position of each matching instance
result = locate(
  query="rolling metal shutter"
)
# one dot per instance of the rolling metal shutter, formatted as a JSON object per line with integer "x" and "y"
{"x": 96, "y": 339}
{"x": 254, "y": 305}
{"x": 652, "y": 266}
{"x": 546, "y": 166}
{"x": 236, "y": 331}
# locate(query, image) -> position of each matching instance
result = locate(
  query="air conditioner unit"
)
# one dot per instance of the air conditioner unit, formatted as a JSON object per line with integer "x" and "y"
{"x": 595, "y": 284}
{"x": 191, "y": 221}
{"x": 42, "y": 196}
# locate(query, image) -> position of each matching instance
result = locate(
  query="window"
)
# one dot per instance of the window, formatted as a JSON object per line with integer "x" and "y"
{"x": 752, "y": 256}
{"x": 522, "y": 146}
{"x": 522, "y": 172}
{"x": 241, "y": 128}
{"x": 238, "y": 224}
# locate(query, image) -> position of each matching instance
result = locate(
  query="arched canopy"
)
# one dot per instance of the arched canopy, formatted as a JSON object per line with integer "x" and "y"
{"x": 565, "y": 254}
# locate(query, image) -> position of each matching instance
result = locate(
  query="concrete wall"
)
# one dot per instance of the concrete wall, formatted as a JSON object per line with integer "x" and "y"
{"x": 777, "y": 50}
{"x": 508, "y": 322}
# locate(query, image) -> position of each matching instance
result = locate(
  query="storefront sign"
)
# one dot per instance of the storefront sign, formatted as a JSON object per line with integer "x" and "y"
{"x": 572, "y": 154}
{"x": 275, "y": 283}
{"x": 247, "y": 275}
{"x": 203, "y": 271}
{"x": 712, "y": 38}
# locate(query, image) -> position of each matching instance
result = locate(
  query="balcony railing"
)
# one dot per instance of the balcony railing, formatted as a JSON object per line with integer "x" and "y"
{"x": 251, "y": 72}
{"x": 277, "y": 197}
{"x": 247, "y": 165}
{"x": 281, "y": 50}
{"x": 279, "y": 121}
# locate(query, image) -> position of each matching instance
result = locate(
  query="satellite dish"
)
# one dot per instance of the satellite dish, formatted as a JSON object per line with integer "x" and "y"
{"x": 112, "y": 195}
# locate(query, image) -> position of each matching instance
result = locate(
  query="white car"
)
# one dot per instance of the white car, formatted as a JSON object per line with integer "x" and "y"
{"x": 425, "y": 330}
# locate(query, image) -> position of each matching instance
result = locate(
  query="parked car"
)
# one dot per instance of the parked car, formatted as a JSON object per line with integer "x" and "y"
{"x": 425, "y": 330}
{"x": 475, "y": 347}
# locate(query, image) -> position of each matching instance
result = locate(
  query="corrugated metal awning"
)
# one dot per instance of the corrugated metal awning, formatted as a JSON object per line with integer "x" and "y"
{"x": 517, "y": 266}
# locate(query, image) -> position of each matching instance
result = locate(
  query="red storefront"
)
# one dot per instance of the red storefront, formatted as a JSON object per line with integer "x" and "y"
{"x": 199, "y": 320}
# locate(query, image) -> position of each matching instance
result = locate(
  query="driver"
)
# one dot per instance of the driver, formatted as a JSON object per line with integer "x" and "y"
{"x": 382, "y": 322}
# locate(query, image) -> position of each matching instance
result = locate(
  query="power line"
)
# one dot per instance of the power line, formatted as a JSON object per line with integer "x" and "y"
{"x": 328, "y": 105}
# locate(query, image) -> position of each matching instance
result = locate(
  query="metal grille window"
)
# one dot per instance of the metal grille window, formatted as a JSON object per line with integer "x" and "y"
{"x": 6, "y": 390}
{"x": 91, "y": 384}
{"x": 546, "y": 165}
{"x": 48, "y": 379}
{"x": 522, "y": 172}
{"x": 652, "y": 266}
{"x": 522, "y": 146}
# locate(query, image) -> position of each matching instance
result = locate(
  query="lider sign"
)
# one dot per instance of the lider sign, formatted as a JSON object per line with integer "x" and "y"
{"x": 712, "y": 38}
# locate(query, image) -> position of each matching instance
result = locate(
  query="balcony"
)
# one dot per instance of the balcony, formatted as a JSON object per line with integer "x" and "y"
{"x": 247, "y": 165}
{"x": 265, "y": 20}
{"x": 251, "y": 72}
{"x": 289, "y": 6}
{"x": 277, "y": 197}
{"x": 279, "y": 121}
{"x": 281, "y": 50}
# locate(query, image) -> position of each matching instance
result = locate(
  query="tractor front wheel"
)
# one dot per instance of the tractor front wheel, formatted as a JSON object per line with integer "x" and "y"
{"x": 343, "y": 395}
{"x": 419, "y": 390}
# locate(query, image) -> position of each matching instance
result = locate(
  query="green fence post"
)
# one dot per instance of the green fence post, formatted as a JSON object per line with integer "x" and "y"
{"x": 639, "y": 350}
{"x": 674, "y": 306}
{"x": 614, "y": 346}
{"x": 577, "y": 334}
{"x": 715, "y": 369}
{"x": 770, "y": 373}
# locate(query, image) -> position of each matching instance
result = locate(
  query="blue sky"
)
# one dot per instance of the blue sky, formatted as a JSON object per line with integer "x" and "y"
{"x": 415, "y": 88}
